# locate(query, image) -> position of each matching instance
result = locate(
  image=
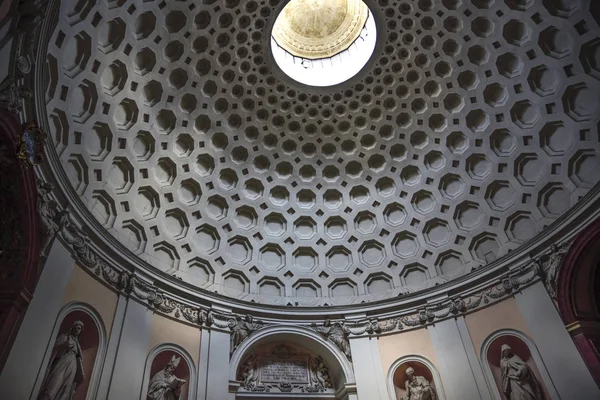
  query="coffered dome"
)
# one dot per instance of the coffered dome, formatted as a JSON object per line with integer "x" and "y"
{"x": 473, "y": 127}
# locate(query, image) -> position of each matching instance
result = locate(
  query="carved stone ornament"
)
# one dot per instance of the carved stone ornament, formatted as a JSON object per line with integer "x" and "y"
{"x": 549, "y": 266}
{"x": 338, "y": 333}
{"x": 12, "y": 95}
{"x": 284, "y": 369}
{"x": 241, "y": 329}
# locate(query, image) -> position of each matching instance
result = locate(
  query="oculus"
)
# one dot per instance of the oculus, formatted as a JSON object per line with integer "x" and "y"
{"x": 323, "y": 42}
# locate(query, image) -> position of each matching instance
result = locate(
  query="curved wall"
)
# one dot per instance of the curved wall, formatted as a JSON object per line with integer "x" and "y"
{"x": 451, "y": 348}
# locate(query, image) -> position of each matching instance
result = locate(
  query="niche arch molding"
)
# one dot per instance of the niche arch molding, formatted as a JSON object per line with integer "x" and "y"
{"x": 100, "y": 354}
{"x": 156, "y": 350}
{"x": 437, "y": 380}
{"x": 340, "y": 368}
{"x": 537, "y": 358}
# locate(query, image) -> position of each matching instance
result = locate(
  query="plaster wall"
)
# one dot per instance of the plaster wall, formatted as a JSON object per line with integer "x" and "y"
{"x": 503, "y": 315}
{"x": 393, "y": 347}
{"x": 164, "y": 330}
{"x": 84, "y": 288}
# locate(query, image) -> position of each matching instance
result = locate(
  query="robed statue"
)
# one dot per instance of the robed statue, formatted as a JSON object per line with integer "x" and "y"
{"x": 240, "y": 330}
{"x": 418, "y": 387}
{"x": 65, "y": 370}
{"x": 518, "y": 380}
{"x": 164, "y": 385}
{"x": 338, "y": 333}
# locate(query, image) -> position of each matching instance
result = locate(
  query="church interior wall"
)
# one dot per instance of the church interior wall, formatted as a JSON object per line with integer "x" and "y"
{"x": 164, "y": 330}
{"x": 502, "y": 315}
{"x": 83, "y": 288}
{"x": 394, "y": 347}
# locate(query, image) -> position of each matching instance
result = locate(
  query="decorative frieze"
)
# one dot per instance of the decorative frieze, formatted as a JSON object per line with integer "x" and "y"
{"x": 61, "y": 222}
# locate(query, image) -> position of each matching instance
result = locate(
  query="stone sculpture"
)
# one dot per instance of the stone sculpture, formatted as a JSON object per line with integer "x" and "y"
{"x": 319, "y": 373}
{"x": 249, "y": 372}
{"x": 338, "y": 333}
{"x": 552, "y": 266}
{"x": 418, "y": 387}
{"x": 241, "y": 329}
{"x": 65, "y": 370}
{"x": 518, "y": 380}
{"x": 164, "y": 385}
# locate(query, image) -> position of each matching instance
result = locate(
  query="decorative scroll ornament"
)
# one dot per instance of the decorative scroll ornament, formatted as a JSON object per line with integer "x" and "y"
{"x": 337, "y": 333}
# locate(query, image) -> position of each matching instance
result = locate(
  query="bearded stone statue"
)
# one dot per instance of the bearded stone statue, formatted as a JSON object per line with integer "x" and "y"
{"x": 418, "y": 387}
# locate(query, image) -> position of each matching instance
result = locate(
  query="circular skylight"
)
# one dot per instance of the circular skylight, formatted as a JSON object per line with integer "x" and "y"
{"x": 323, "y": 43}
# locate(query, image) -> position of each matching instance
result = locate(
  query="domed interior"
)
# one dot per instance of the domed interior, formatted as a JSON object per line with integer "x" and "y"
{"x": 468, "y": 133}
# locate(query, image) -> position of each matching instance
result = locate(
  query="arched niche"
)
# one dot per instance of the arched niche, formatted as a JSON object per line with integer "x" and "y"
{"x": 92, "y": 342}
{"x": 578, "y": 295}
{"x": 159, "y": 359}
{"x": 339, "y": 368}
{"x": 524, "y": 348}
{"x": 422, "y": 367}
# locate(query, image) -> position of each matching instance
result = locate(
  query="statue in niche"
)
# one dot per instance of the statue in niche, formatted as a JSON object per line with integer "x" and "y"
{"x": 65, "y": 371}
{"x": 249, "y": 372}
{"x": 338, "y": 334}
{"x": 164, "y": 385}
{"x": 241, "y": 329}
{"x": 418, "y": 387}
{"x": 319, "y": 373}
{"x": 518, "y": 380}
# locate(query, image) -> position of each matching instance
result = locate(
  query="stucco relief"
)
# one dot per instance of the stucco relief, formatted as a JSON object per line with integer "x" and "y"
{"x": 284, "y": 368}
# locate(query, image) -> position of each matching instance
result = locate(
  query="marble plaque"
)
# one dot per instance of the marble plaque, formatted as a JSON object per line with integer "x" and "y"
{"x": 274, "y": 369}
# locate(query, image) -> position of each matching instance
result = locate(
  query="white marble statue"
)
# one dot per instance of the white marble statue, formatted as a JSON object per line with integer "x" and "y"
{"x": 418, "y": 387}
{"x": 518, "y": 380}
{"x": 65, "y": 370}
{"x": 164, "y": 385}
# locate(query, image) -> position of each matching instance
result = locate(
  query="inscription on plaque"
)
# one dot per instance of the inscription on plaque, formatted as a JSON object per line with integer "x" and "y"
{"x": 278, "y": 370}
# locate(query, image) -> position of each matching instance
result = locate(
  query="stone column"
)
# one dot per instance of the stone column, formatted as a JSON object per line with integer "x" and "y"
{"x": 22, "y": 367}
{"x": 131, "y": 353}
{"x": 112, "y": 348}
{"x": 460, "y": 370}
{"x": 368, "y": 371}
{"x": 567, "y": 370}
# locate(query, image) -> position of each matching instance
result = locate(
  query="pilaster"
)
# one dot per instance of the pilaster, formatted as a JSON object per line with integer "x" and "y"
{"x": 568, "y": 372}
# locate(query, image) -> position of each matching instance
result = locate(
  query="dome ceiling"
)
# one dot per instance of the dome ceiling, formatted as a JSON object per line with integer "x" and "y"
{"x": 474, "y": 127}
{"x": 318, "y": 28}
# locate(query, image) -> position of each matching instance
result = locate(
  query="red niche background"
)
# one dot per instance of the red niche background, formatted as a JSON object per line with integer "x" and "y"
{"x": 400, "y": 377}
{"x": 89, "y": 341}
{"x": 520, "y": 348}
{"x": 182, "y": 371}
